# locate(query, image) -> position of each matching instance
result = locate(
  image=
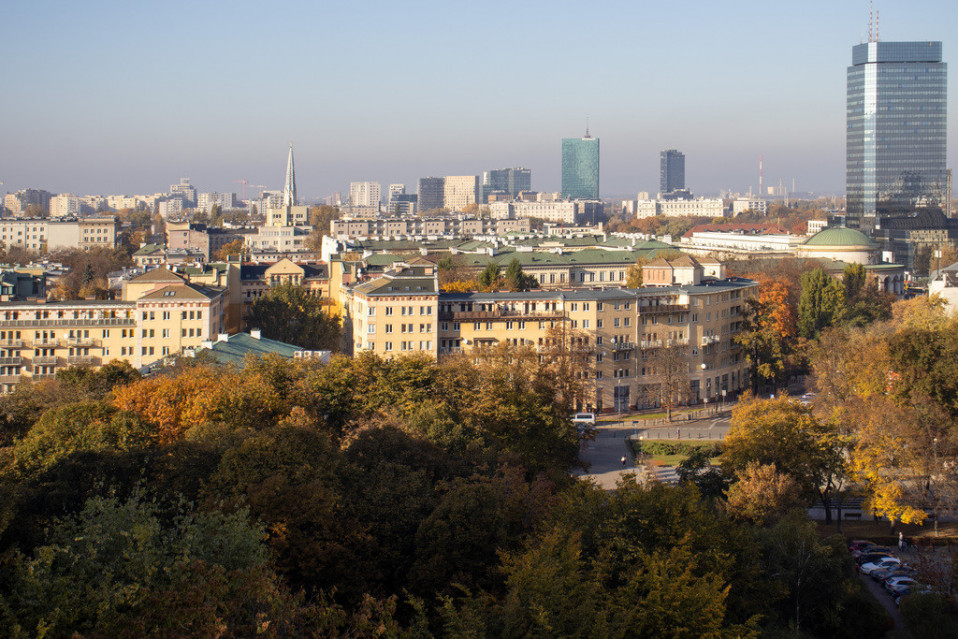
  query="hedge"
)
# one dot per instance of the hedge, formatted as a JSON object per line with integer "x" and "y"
{"x": 678, "y": 448}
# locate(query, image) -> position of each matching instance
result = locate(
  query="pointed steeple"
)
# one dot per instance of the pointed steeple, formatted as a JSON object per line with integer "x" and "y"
{"x": 289, "y": 188}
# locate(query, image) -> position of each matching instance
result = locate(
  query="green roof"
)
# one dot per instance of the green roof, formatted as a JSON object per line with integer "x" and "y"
{"x": 839, "y": 237}
{"x": 237, "y": 347}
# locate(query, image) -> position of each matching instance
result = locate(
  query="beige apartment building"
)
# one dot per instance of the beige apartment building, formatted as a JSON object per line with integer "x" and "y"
{"x": 632, "y": 341}
{"x": 459, "y": 191}
{"x": 161, "y": 314}
{"x": 41, "y": 235}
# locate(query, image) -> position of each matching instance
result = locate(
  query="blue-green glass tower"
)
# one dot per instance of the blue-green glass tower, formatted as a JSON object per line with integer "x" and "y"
{"x": 895, "y": 131}
{"x": 580, "y": 168}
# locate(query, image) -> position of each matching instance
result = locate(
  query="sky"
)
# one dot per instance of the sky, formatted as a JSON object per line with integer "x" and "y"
{"x": 108, "y": 97}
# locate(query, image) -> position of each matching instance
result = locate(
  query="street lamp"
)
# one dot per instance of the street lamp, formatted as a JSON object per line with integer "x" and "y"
{"x": 935, "y": 468}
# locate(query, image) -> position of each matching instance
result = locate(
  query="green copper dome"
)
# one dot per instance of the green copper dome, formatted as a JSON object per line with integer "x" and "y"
{"x": 839, "y": 237}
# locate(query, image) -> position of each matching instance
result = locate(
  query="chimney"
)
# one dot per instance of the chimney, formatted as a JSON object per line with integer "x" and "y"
{"x": 256, "y": 333}
{"x": 223, "y": 337}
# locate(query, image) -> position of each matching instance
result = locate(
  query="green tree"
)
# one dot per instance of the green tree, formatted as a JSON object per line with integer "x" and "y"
{"x": 821, "y": 304}
{"x": 516, "y": 280}
{"x": 292, "y": 314}
{"x": 489, "y": 275}
{"x": 763, "y": 495}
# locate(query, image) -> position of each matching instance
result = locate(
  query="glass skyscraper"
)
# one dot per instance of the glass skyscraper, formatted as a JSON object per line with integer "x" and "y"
{"x": 580, "y": 168}
{"x": 895, "y": 131}
{"x": 671, "y": 171}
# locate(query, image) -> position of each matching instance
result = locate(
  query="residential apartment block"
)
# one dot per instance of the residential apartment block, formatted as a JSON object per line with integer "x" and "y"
{"x": 41, "y": 235}
{"x": 425, "y": 226}
{"x": 161, "y": 314}
{"x": 620, "y": 335}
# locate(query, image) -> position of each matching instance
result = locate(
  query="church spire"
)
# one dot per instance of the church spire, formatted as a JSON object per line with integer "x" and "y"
{"x": 289, "y": 188}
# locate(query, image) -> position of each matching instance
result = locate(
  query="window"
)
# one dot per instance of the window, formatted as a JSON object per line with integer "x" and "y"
{"x": 371, "y": 328}
{"x": 389, "y": 328}
{"x": 628, "y": 321}
{"x": 615, "y": 322}
{"x": 388, "y": 345}
{"x": 585, "y": 323}
{"x": 389, "y": 310}
{"x": 371, "y": 311}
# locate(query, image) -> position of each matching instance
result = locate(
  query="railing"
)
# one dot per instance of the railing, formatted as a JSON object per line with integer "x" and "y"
{"x": 50, "y": 343}
{"x": 77, "y": 341}
{"x": 663, "y": 308}
{"x": 651, "y": 343}
{"x": 45, "y": 359}
{"x": 10, "y": 379}
{"x": 623, "y": 346}
{"x": 45, "y": 323}
{"x": 7, "y": 361}
{"x": 81, "y": 360}
{"x": 469, "y": 316}
{"x": 11, "y": 343}
{"x": 711, "y": 339}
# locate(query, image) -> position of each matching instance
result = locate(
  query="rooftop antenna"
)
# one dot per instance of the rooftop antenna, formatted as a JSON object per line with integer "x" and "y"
{"x": 586, "y": 126}
{"x": 871, "y": 13}
{"x": 877, "y": 36}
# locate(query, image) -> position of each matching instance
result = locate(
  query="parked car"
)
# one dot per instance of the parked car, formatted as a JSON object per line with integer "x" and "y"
{"x": 858, "y": 544}
{"x": 584, "y": 420}
{"x": 894, "y": 571}
{"x": 873, "y": 556}
{"x": 884, "y": 562}
{"x": 899, "y": 585}
{"x": 864, "y": 550}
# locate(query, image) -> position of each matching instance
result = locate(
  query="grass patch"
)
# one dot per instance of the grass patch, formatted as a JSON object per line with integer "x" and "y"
{"x": 667, "y": 452}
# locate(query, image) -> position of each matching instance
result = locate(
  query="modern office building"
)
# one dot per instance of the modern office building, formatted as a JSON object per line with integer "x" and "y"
{"x": 505, "y": 181}
{"x": 895, "y": 131}
{"x": 671, "y": 171}
{"x": 184, "y": 190}
{"x": 430, "y": 193}
{"x": 580, "y": 168}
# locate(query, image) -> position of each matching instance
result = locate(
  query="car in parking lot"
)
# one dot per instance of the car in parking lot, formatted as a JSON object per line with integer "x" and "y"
{"x": 880, "y": 564}
{"x": 873, "y": 556}
{"x": 891, "y": 572}
{"x": 899, "y": 585}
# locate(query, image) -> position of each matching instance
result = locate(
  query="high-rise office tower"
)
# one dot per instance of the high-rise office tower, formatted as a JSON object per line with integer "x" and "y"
{"x": 580, "y": 168}
{"x": 895, "y": 131}
{"x": 511, "y": 181}
{"x": 365, "y": 193}
{"x": 671, "y": 171}
{"x": 430, "y": 193}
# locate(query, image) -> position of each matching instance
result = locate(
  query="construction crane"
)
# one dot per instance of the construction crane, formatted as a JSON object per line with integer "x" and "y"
{"x": 244, "y": 183}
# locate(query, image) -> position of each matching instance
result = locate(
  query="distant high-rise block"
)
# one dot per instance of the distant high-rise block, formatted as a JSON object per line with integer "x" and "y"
{"x": 365, "y": 193}
{"x": 506, "y": 181}
{"x": 671, "y": 171}
{"x": 580, "y": 168}
{"x": 895, "y": 131}
{"x": 430, "y": 192}
{"x": 459, "y": 191}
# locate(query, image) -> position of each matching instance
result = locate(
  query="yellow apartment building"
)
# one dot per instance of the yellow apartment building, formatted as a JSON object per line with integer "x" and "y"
{"x": 631, "y": 342}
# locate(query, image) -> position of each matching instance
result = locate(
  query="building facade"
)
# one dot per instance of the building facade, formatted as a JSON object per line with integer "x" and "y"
{"x": 580, "y": 168}
{"x": 430, "y": 192}
{"x": 365, "y": 193}
{"x": 460, "y": 191}
{"x": 895, "y": 131}
{"x": 671, "y": 171}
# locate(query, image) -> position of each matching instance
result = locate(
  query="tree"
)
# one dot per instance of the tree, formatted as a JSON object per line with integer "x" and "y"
{"x": 785, "y": 433}
{"x": 864, "y": 304}
{"x": 763, "y": 495}
{"x": 234, "y": 249}
{"x": 821, "y": 305}
{"x": 489, "y": 276}
{"x": 670, "y": 372}
{"x": 320, "y": 218}
{"x": 292, "y": 314}
{"x": 516, "y": 280}
{"x": 768, "y": 331}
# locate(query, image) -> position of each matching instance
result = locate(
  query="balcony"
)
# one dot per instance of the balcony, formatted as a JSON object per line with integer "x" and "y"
{"x": 67, "y": 323}
{"x": 711, "y": 339}
{"x": 10, "y": 361}
{"x": 45, "y": 360}
{"x": 11, "y": 343}
{"x": 651, "y": 343}
{"x": 48, "y": 343}
{"x": 77, "y": 341}
{"x": 663, "y": 308}
{"x": 500, "y": 314}
{"x": 81, "y": 360}
{"x": 10, "y": 379}
{"x": 623, "y": 346}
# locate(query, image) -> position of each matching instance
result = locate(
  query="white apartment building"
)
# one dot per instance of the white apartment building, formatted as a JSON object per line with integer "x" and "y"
{"x": 753, "y": 204}
{"x": 65, "y": 205}
{"x": 702, "y": 207}
{"x": 170, "y": 209}
{"x": 365, "y": 193}
{"x": 206, "y": 201}
{"x": 459, "y": 191}
{"x": 564, "y": 212}
{"x": 42, "y": 235}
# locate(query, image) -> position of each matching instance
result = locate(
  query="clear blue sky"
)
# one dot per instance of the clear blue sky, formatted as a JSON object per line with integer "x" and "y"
{"x": 127, "y": 97}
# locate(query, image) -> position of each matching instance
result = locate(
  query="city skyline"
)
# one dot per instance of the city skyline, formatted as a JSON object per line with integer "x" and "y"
{"x": 97, "y": 111}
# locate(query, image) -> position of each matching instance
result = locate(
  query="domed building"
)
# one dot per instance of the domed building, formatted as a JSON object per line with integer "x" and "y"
{"x": 842, "y": 244}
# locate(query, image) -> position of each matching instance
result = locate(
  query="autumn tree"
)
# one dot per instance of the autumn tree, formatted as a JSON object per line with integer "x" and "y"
{"x": 516, "y": 280}
{"x": 291, "y": 314}
{"x": 669, "y": 365}
{"x": 783, "y": 432}
{"x": 768, "y": 331}
{"x": 234, "y": 249}
{"x": 763, "y": 495}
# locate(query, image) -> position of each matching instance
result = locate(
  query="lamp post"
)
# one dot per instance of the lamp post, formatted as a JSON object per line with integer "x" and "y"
{"x": 934, "y": 469}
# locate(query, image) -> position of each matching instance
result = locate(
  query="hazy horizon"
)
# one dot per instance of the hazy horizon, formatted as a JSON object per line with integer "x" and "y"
{"x": 113, "y": 97}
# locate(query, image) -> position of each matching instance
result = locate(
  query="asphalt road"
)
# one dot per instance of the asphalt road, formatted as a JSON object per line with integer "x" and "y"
{"x": 603, "y": 456}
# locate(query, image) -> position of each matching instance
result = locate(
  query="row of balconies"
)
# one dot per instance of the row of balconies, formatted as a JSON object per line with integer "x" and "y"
{"x": 470, "y": 316}
{"x": 46, "y": 323}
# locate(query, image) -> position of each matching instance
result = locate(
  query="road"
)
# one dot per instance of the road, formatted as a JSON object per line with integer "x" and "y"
{"x": 602, "y": 457}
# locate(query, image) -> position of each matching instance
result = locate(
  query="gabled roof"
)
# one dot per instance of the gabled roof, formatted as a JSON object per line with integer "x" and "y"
{"x": 235, "y": 348}
{"x": 182, "y": 292}
{"x": 158, "y": 275}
